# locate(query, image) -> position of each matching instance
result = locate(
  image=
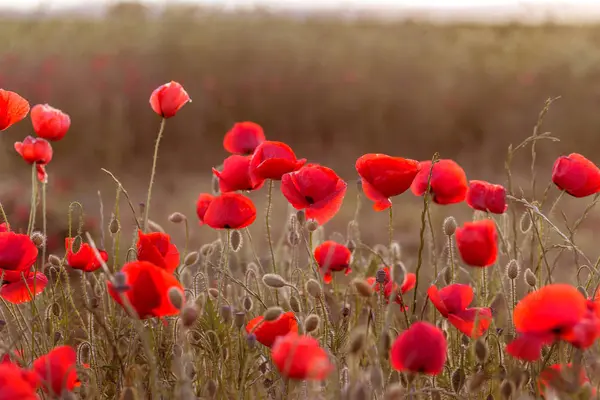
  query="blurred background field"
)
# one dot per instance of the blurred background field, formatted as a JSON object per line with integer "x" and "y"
{"x": 332, "y": 88}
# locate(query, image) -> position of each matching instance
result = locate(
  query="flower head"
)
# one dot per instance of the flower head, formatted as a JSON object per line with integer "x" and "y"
{"x": 448, "y": 182}
{"x": 485, "y": 196}
{"x": 576, "y": 175}
{"x": 235, "y": 175}
{"x": 267, "y": 332}
{"x": 21, "y": 291}
{"x": 17, "y": 383}
{"x": 49, "y": 123}
{"x": 332, "y": 257}
{"x": 300, "y": 357}
{"x": 168, "y": 99}
{"x": 56, "y": 370}
{"x": 13, "y": 108}
{"x": 271, "y": 160}
{"x": 477, "y": 243}
{"x": 419, "y": 349}
{"x": 390, "y": 287}
{"x": 156, "y": 247}
{"x": 84, "y": 259}
{"x": 17, "y": 252}
{"x": 230, "y": 211}
{"x": 243, "y": 138}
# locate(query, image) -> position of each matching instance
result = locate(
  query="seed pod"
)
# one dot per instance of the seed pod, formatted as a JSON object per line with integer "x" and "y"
{"x": 55, "y": 261}
{"x": 381, "y": 276}
{"x": 239, "y": 319}
{"x": 458, "y": 380}
{"x": 314, "y": 288}
{"x": 357, "y": 341}
{"x": 177, "y": 218}
{"x": 273, "y": 281}
{"x": 295, "y": 304}
{"x": 311, "y": 323}
{"x": 507, "y": 389}
{"x": 530, "y": 278}
{"x": 114, "y": 226}
{"x": 226, "y": 313}
{"x": 248, "y": 303}
{"x": 206, "y": 250}
{"x": 312, "y": 225}
{"x": 189, "y": 315}
{"x": 394, "y": 392}
{"x": 235, "y": 241}
{"x": 191, "y": 259}
{"x": 481, "y": 351}
{"x": 272, "y": 313}
{"x": 512, "y": 269}
{"x": 362, "y": 287}
{"x": 175, "y": 297}
{"x": 449, "y": 226}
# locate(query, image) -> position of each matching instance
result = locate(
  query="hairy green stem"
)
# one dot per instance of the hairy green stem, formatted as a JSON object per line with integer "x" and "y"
{"x": 268, "y": 225}
{"x": 154, "y": 160}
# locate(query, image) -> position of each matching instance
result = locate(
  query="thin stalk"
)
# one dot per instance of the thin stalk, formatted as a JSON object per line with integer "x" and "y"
{"x": 44, "y": 224}
{"x": 391, "y": 228}
{"x": 33, "y": 208}
{"x": 268, "y": 225}
{"x": 154, "y": 159}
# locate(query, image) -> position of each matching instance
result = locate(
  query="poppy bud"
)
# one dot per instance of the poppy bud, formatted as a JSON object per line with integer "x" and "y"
{"x": 313, "y": 288}
{"x": 189, "y": 315}
{"x": 248, "y": 303}
{"x": 177, "y": 218}
{"x": 176, "y": 297}
{"x": 168, "y": 99}
{"x": 530, "y": 278}
{"x": 394, "y": 392}
{"x": 272, "y": 313}
{"x": 458, "y": 380}
{"x": 55, "y": 261}
{"x": 449, "y": 226}
{"x": 38, "y": 239}
{"x": 399, "y": 272}
{"x": 357, "y": 342}
{"x": 507, "y": 388}
{"x": 311, "y": 323}
{"x": 512, "y": 269}
{"x": 362, "y": 287}
{"x": 481, "y": 351}
{"x": 213, "y": 292}
{"x": 381, "y": 276}
{"x": 251, "y": 340}
{"x": 155, "y": 227}
{"x": 114, "y": 226}
{"x": 385, "y": 342}
{"x": 235, "y": 241}
{"x": 396, "y": 251}
{"x": 226, "y": 314}
{"x": 239, "y": 319}
{"x": 295, "y": 304}
{"x": 301, "y": 217}
{"x": 129, "y": 393}
{"x": 191, "y": 259}
{"x": 76, "y": 244}
{"x": 312, "y": 225}
{"x": 273, "y": 281}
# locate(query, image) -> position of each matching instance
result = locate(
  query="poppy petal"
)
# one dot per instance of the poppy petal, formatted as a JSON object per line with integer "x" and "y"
{"x": 18, "y": 292}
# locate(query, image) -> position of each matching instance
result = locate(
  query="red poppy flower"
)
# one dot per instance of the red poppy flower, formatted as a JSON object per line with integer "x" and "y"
{"x": 49, "y": 123}
{"x": 34, "y": 150}
{"x": 56, "y": 370}
{"x": 576, "y": 175}
{"x": 18, "y": 292}
{"x": 383, "y": 177}
{"x": 168, "y": 99}
{"x": 243, "y": 138}
{"x": 448, "y": 182}
{"x": 485, "y": 196}
{"x": 301, "y": 357}
{"x": 316, "y": 189}
{"x": 148, "y": 287}
{"x": 271, "y": 160}
{"x": 230, "y": 211}
{"x": 477, "y": 243}
{"x": 419, "y": 349}
{"x": 202, "y": 204}
{"x": 550, "y": 313}
{"x": 85, "y": 259}
{"x": 13, "y": 108}
{"x": 16, "y": 383}
{"x": 556, "y": 372}
{"x": 235, "y": 175}
{"x": 390, "y": 286}
{"x": 452, "y": 302}
{"x": 332, "y": 256}
{"x": 157, "y": 248}
{"x": 17, "y": 252}
{"x": 267, "y": 331}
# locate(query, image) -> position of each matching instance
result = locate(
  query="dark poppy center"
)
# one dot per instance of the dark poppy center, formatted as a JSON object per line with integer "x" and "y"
{"x": 227, "y": 226}
{"x": 309, "y": 200}
{"x": 557, "y": 331}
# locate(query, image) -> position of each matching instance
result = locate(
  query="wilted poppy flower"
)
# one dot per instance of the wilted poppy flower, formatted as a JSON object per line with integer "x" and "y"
{"x": 485, "y": 196}
{"x": 230, "y": 211}
{"x": 156, "y": 247}
{"x": 448, "y": 182}
{"x": 147, "y": 288}
{"x": 392, "y": 287}
{"x": 13, "y": 108}
{"x": 576, "y": 175}
{"x": 17, "y": 252}
{"x": 267, "y": 331}
{"x": 56, "y": 370}
{"x": 202, "y": 204}
{"x": 85, "y": 259}
{"x": 332, "y": 256}
{"x": 235, "y": 175}
{"x": 560, "y": 375}
{"x": 548, "y": 314}
{"x": 419, "y": 349}
{"x": 16, "y": 383}
{"x": 317, "y": 190}
{"x": 300, "y": 357}
{"x": 49, "y": 123}
{"x": 243, "y": 138}
{"x": 271, "y": 160}
{"x": 452, "y": 302}
{"x": 167, "y": 99}
{"x": 18, "y": 292}
{"x": 477, "y": 243}
{"x": 383, "y": 176}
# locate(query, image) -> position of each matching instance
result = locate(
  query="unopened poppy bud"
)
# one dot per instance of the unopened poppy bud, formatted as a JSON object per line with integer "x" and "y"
{"x": 381, "y": 276}
{"x": 38, "y": 239}
{"x": 129, "y": 393}
{"x": 114, "y": 226}
{"x": 272, "y": 313}
{"x": 449, "y": 226}
{"x": 395, "y": 250}
{"x": 394, "y": 392}
{"x": 295, "y": 304}
{"x": 235, "y": 240}
{"x": 301, "y": 217}
{"x": 312, "y": 225}
{"x": 214, "y": 293}
{"x": 399, "y": 272}
{"x": 226, "y": 313}
{"x": 155, "y": 227}
{"x": 189, "y": 315}
{"x": 512, "y": 270}
{"x": 362, "y": 287}
{"x": 273, "y": 281}
{"x": 530, "y": 278}
{"x": 248, "y": 303}
{"x": 191, "y": 258}
{"x": 54, "y": 261}
{"x": 313, "y": 288}
{"x": 76, "y": 244}
{"x": 239, "y": 319}
{"x": 357, "y": 341}
{"x": 583, "y": 292}
{"x": 458, "y": 380}
{"x": 251, "y": 340}
{"x": 293, "y": 238}
{"x": 481, "y": 351}
{"x": 346, "y": 310}
{"x": 507, "y": 388}
{"x": 311, "y": 323}
{"x": 175, "y": 297}
{"x": 177, "y": 218}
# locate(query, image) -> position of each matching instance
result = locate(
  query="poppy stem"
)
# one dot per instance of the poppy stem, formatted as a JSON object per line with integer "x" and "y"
{"x": 391, "y": 229}
{"x": 451, "y": 253}
{"x": 44, "y": 226}
{"x": 4, "y": 218}
{"x": 268, "y": 225}
{"x": 32, "y": 211}
{"x": 154, "y": 159}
